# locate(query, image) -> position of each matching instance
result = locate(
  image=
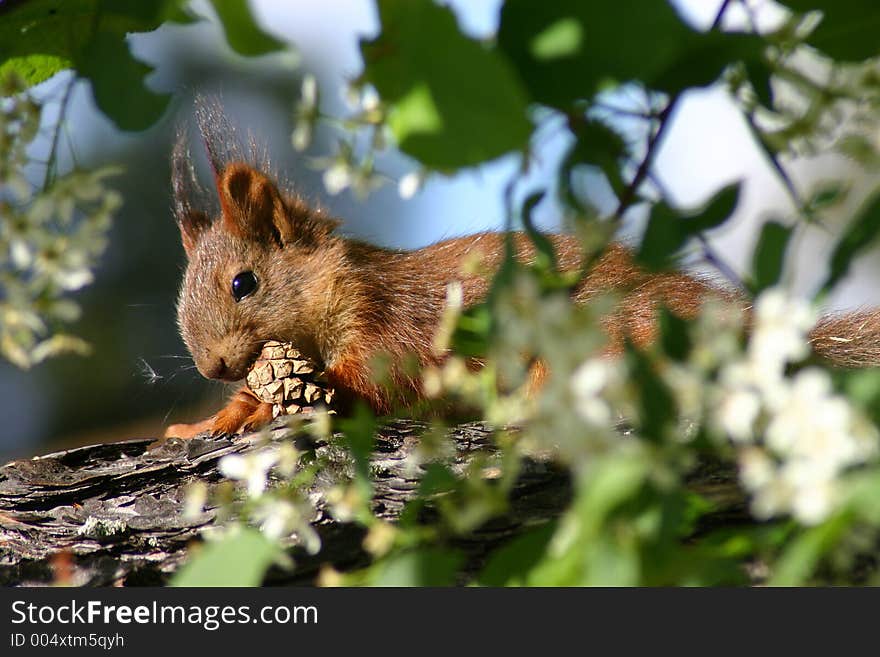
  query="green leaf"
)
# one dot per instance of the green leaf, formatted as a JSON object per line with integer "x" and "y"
{"x": 117, "y": 83}
{"x": 603, "y": 488}
{"x": 665, "y": 235}
{"x": 243, "y": 34}
{"x": 719, "y": 209}
{"x": 240, "y": 559}
{"x": 859, "y": 493}
{"x": 39, "y": 38}
{"x": 596, "y": 145}
{"x": 567, "y": 50}
{"x": 511, "y": 563}
{"x": 424, "y": 567}
{"x": 760, "y": 74}
{"x": 703, "y": 58}
{"x": 674, "y": 335}
{"x": 800, "y": 558}
{"x": 827, "y": 195}
{"x": 657, "y": 407}
{"x": 359, "y": 436}
{"x": 416, "y": 113}
{"x": 861, "y": 386}
{"x": 561, "y": 39}
{"x": 858, "y": 236}
{"x": 545, "y": 255}
{"x": 471, "y": 335}
{"x": 848, "y": 29}
{"x": 769, "y": 256}
{"x": 584, "y": 542}
{"x": 668, "y": 231}
{"x": 454, "y": 101}
{"x": 611, "y": 561}
{"x": 33, "y": 69}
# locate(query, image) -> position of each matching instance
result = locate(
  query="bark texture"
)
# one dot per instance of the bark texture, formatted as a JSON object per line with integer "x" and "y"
{"x": 113, "y": 514}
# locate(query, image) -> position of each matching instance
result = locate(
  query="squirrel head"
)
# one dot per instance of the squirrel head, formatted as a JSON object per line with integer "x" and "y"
{"x": 254, "y": 266}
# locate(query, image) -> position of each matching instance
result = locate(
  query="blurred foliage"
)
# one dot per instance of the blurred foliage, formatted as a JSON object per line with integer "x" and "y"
{"x": 804, "y": 441}
{"x": 53, "y": 233}
{"x": 42, "y": 37}
{"x": 50, "y": 239}
{"x": 445, "y": 114}
{"x": 249, "y": 549}
{"x": 39, "y": 38}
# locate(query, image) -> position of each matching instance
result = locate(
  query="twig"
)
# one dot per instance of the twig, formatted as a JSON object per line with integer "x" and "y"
{"x": 629, "y": 194}
{"x": 508, "y": 202}
{"x": 708, "y": 253}
{"x": 777, "y": 166}
{"x": 720, "y": 15}
{"x": 53, "y": 152}
{"x": 710, "y": 256}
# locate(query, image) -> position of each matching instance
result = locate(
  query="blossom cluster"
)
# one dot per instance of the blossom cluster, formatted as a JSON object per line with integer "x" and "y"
{"x": 794, "y": 434}
{"x": 795, "y": 437}
{"x": 352, "y": 166}
{"x": 51, "y": 237}
{"x": 277, "y": 513}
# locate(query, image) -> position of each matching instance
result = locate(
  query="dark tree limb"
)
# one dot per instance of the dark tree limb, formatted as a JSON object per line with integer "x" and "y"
{"x": 113, "y": 514}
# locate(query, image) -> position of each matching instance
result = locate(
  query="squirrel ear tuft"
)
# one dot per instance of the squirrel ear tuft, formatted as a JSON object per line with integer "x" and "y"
{"x": 251, "y": 205}
{"x": 187, "y": 192}
{"x": 192, "y": 224}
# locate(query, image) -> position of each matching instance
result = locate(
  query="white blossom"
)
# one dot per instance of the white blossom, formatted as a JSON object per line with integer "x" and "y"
{"x": 252, "y": 468}
{"x": 797, "y": 487}
{"x": 410, "y": 184}
{"x": 797, "y": 435}
{"x": 337, "y": 177}
{"x": 738, "y": 412}
{"x": 810, "y": 421}
{"x": 587, "y": 384}
{"x": 309, "y": 93}
{"x": 73, "y": 279}
{"x": 756, "y": 468}
{"x": 364, "y": 180}
{"x": 195, "y": 500}
{"x": 21, "y": 254}
{"x": 814, "y": 498}
{"x": 279, "y": 518}
{"x": 362, "y": 99}
{"x": 779, "y": 334}
{"x": 370, "y": 100}
{"x": 306, "y": 113}
{"x": 301, "y": 138}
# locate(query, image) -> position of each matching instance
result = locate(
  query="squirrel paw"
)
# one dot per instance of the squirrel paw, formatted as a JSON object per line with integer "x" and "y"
{"x": 239, "y": 419}
{"x": 244, "y": 412}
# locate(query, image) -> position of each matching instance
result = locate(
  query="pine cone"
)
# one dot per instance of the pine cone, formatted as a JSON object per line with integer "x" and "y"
{"x": 283, "y": 377}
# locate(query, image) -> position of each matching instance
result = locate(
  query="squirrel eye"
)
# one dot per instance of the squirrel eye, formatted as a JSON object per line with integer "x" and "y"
{"x": 243, "y": 284}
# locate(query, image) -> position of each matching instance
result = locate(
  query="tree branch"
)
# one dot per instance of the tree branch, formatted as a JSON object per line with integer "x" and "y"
{"x": 627, "y": 198}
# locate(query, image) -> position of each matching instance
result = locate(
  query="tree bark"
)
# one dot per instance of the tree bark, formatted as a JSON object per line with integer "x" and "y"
{"x": 113, "y": 514}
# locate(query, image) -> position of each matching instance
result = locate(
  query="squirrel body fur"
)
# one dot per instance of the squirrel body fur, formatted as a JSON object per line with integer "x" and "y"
{"x": 345, "y": 302}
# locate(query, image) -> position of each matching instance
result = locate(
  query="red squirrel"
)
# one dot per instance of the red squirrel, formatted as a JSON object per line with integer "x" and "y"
{"x": 268, "y": 266}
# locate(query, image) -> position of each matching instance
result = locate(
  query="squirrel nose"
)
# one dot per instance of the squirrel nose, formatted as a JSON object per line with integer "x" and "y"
{"x": 216, "y": 368}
